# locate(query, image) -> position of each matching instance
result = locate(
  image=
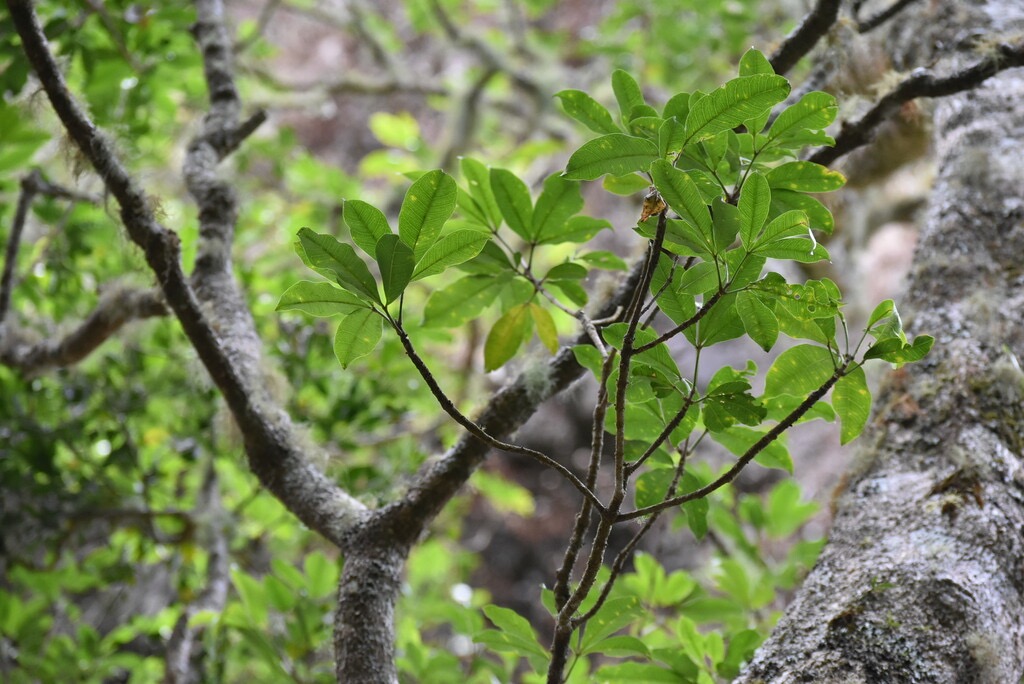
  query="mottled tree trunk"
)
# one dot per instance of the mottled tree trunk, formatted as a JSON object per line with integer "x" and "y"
{"x": 922, "y": 579}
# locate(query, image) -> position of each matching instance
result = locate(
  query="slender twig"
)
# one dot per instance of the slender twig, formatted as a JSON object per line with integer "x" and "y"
{"x": 627, "y": 551}
{"x": 25, "y": 197}
{"x": 448, "y": 407}
{"x": 467, "y": 114}
{"x": 116, "y": 37}
{"x": 488, "y": 56}
{"x": 505, "y": 412}
{"x": 262, "y": 21}
{"x": 876, "y": 20}
{"x": 747, "y": 456}
{"x": 920, "y": 83}
{"x": 688, "y": 323}
{"x": 583, "y": 518}
{"x": 665, "y": 433}
{"x": 565, "y": 624}
{"x": 805, "y": 36}
{"x": 31, "y": 185}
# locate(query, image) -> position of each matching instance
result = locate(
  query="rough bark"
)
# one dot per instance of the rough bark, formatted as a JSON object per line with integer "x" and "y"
{"x": 922, "y": 579}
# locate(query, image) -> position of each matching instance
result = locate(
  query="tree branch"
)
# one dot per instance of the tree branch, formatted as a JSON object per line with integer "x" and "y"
{"x": 114, "y": 310}
{"x": 805, "y": 36}
{"x": 31, "y": 185}
{"x": 921, "y": 83}
{"x": 756, "y": 448}
{"x": 448, "y": 407}
{"x": 510, "y": 407}
{"x": 876, "y": 20}
{"x": 268, "y": 433}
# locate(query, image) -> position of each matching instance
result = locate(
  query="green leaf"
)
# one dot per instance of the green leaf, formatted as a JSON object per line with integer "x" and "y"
{"x": 319, "y": 299}
{"x": 572, "y": 291}
{"x": 578, "y": 229}
{"x": 804, "y": 176}
{"x": 638, "y": 673}
{"x": 895, "y": 351}
{"x": 852, "y": 401}
{"x": 678, "y": 107}
{"x": 754, "y": 204}
{"x": 699, "y": 278}
{"x": 733, "y": 103}
{"x": 738, "y": 440}
{"x": 566, "y": 271}
{"x": 513, "y": 198}
{"x": 463, "y": 300}
{"x": 616, "y": 154}
{"x": 800, "y": 249}
{"x": 357, "y": 335}
{"x": 520, "y": 635}
{"x": 665, "y": 286}
{"x": 630, "y": 184}
{"x": 608, "y": 261}
{"x": 336, "y": 260}
{"x": 799, "y": 371}
{"x": 883, "y": 309}
{"x": 820, "y": 217}
{"x": 428, "y": 203}
{"x": 627, "y": 93}
{"x": 758, "y": 320}
{"x": 322, "y": 575}
{"x": 790, "y": 224}
{"x": 545, "y": 325}
{"x": 646, "y": 126}
{"x": 814, "y": 111}
{"x": 395, "y": 260}
{"x": 652, "y": 486}
{"x": 753, "y": 62}
{"x": 366, "y": 223}
{"x": 622, "y": 646}
{"x": 478, "y": 180}
{"x": 455, "y": 248}
{"x": 679, "y": 191}
{"x": 587, "y": 111}
{"x": 507, "y": 335}
{"x": 250, "y": 590}
{"x": 721, "y": 323}
{"x": 559, "y": 200}
{"x": 671, "y": 137}
{"x": 615, "y": 614}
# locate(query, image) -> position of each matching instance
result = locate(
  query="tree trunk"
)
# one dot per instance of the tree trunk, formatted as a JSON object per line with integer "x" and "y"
{"x": 922, "y": 579}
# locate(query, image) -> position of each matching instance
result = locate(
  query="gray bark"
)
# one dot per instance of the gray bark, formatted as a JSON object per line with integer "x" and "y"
{"x": 922, "y": 579}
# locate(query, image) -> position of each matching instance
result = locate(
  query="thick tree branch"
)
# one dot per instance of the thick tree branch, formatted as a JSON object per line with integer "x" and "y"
{"x": 922, "y": 577}
{"x": 115, "y": 309}
{"x": 805, "y": 36}
{"x": 921, "y": 83}
{"x": 268, "y": 433}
